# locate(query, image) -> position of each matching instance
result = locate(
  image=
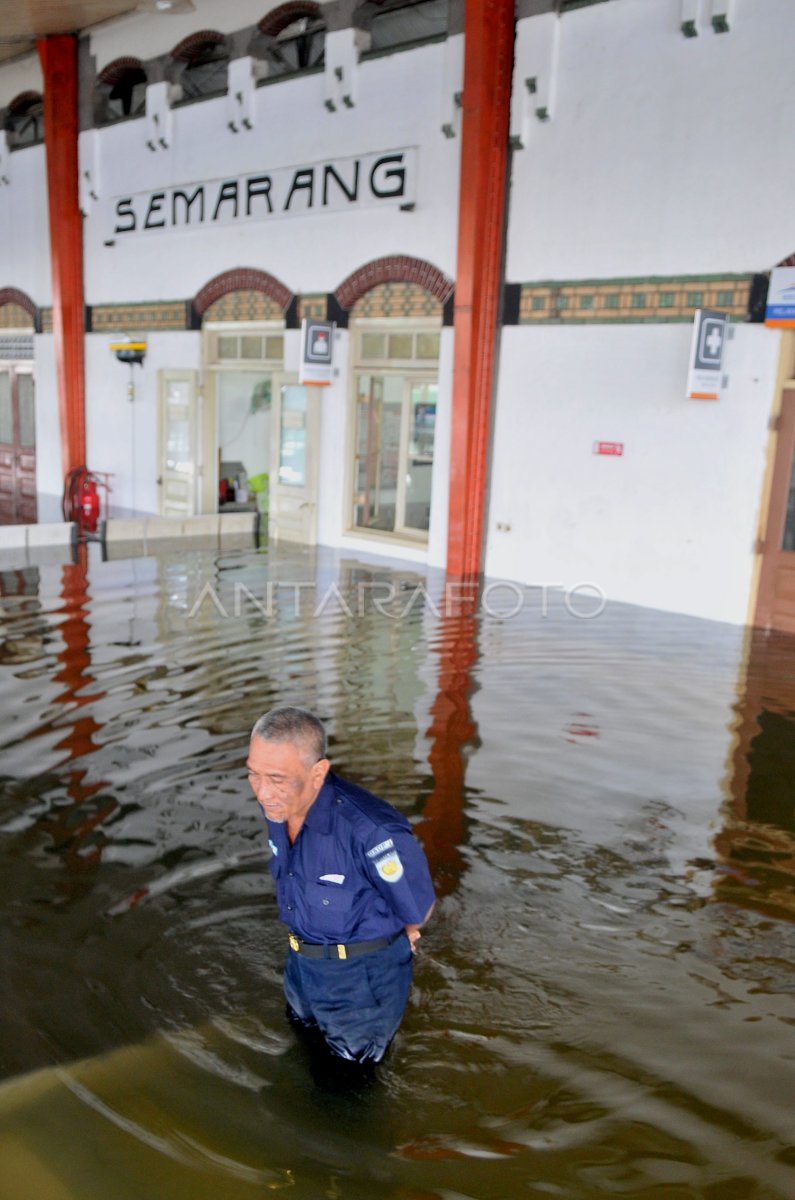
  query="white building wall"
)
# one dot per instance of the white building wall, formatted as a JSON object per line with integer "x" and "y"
{"x": 670, "y": 524}
{"x": 24, "y": 218}
{"x": 120, "y": 434}
{"x": 663, "y": 154}
{"x": 292, "y": 128}
{"x": 21, "y": 75}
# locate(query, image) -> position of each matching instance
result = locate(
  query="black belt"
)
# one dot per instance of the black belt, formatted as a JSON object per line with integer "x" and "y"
{"x": 337, "y": 949}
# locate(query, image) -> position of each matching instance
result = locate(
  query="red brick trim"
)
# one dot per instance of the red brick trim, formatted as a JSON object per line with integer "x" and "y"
{"x": 241, "y": 279}
{"x": 189, "y": 47}
{"x": 23, "y": 100}
{"x": 14, "y": 296}
{"x": 272, "y": 24}
{"x": 115, "y": 70}
{"x": 396, "y": 268}
{"x": 789, "y": 261}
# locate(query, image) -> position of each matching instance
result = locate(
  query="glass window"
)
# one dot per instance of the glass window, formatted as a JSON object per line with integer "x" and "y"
{"x": 179, "y": 455}
{"x": 292, "y": 436}
{"x": 400, "y": 345}
{"x": 24, "y": 121}
{"x": 122, "y": 95}
{"x": 298, "y": 46}
{"x": 422, "y": 428}
{"x": 373, "y": 345}
{"x": 227, "y": 346}
{"x": 274, "y": 348}
{"x": 250, "y": 346}
{"x": 428, "y": 345}
{"x": 201, "y": 70}
{"x": 400, "y": 23}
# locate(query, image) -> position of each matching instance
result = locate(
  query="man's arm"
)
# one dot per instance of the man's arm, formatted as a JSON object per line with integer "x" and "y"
{"x": 413, "y": 931}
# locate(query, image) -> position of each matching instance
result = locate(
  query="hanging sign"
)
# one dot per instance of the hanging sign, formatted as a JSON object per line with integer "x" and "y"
{"x": 614, "y": 449}
{"x": 780, "y": 310}
{"x": 317, "y": 349}
{"x": 706, "y": 354}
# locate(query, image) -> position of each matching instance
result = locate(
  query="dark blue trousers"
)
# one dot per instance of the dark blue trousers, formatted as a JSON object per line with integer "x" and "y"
{"x": 356, "y": 1003}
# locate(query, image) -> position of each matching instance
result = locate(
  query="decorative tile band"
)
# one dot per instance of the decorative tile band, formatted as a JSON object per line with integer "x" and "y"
{"x": 656, "y": 299}
{"x": 397, "y": 300}
{"x": 166, "y": 314}
{"x": 313, "y": 306}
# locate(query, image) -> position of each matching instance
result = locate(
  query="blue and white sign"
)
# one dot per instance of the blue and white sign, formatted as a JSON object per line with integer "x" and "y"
{"x": 781, "y": 298}
{"x": 710, "y": 331}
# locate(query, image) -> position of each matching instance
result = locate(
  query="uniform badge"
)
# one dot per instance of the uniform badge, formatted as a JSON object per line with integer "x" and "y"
{"x": 390, "y": 868}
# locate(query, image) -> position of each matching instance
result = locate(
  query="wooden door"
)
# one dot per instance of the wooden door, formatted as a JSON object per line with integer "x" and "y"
{"x": 17, "y": 448}
{"x": 776, "y": 598}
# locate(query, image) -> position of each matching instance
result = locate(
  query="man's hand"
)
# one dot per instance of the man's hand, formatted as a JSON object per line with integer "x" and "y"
{"x": 414, "y": 935}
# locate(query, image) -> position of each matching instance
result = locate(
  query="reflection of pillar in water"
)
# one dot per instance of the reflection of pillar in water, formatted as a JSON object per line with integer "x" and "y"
{"x": 756, "y": 846}
{"x": 72, "y": 828}
{"x": 442, "y": 828}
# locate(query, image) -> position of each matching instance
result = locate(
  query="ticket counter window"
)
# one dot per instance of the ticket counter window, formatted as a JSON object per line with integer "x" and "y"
{"x": 394, "y": 431}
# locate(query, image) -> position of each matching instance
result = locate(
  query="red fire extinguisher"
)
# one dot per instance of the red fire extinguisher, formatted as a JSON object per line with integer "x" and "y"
{"x": 81, "y": 499}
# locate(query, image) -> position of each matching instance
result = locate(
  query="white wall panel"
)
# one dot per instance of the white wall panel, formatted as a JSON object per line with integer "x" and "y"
{"x": 292, "y": 128}
{"x": 664, "y": 154}
{"x": 670, "y": 524}
{"x": 122, "y": 434}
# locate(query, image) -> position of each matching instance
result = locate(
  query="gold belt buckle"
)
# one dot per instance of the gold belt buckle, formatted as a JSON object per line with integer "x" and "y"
{"x": 294, "y": 943}
{"x": 341, "y": 951}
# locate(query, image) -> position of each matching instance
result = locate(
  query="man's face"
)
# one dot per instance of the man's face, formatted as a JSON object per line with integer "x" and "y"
{"x": 283, "y": 779}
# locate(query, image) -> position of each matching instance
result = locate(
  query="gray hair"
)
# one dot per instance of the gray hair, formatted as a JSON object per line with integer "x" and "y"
{"x": 297, "y": 725}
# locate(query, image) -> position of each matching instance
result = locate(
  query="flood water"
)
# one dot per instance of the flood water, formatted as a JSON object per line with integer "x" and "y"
{"x": 604, "y": 1001}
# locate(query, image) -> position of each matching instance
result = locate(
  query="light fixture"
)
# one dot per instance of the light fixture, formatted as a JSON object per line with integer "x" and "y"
{"x": 166, "y": 7}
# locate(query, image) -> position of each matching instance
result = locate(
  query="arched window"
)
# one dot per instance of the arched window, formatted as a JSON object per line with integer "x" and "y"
{"x": 121, "y": 91}
{"x": 393, "y": 23}
{"x": 292, "y": 38}
{"x": 24, "y": 120}
{"x": 200, "y": 65}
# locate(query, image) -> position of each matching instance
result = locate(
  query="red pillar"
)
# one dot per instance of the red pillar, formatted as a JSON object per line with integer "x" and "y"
{"x": 59, "y": 64}
{"x": 488, "y": 62}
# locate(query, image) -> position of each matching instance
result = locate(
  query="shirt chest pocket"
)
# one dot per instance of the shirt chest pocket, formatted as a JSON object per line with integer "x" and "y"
{"x": 329, "y": 906}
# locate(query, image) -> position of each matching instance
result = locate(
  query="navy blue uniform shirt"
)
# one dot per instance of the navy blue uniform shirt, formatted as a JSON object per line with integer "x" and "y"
{"x": 355, "y": 872}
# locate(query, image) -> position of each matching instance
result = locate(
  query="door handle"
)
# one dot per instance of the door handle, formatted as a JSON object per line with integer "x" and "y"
{"x": 159, "y": 481}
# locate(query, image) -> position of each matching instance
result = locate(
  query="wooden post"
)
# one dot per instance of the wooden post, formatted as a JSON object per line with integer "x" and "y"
{"x": 58, "y": 57}
{"x": 488, "y": 63}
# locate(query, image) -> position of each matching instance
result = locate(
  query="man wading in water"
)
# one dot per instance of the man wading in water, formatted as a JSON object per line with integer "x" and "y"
{"x": 353, "y": 888}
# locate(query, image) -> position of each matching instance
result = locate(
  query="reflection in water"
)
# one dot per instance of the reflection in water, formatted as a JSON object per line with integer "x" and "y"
{"x": 757, "y": 843}
{"x": 441, "y": 828}
{"x": 586, "y": 1022}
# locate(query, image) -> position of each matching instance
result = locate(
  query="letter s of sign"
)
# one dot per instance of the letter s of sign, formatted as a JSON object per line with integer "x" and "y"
{"x": 398, "y": 174}
{"x": 124, "y": 209}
